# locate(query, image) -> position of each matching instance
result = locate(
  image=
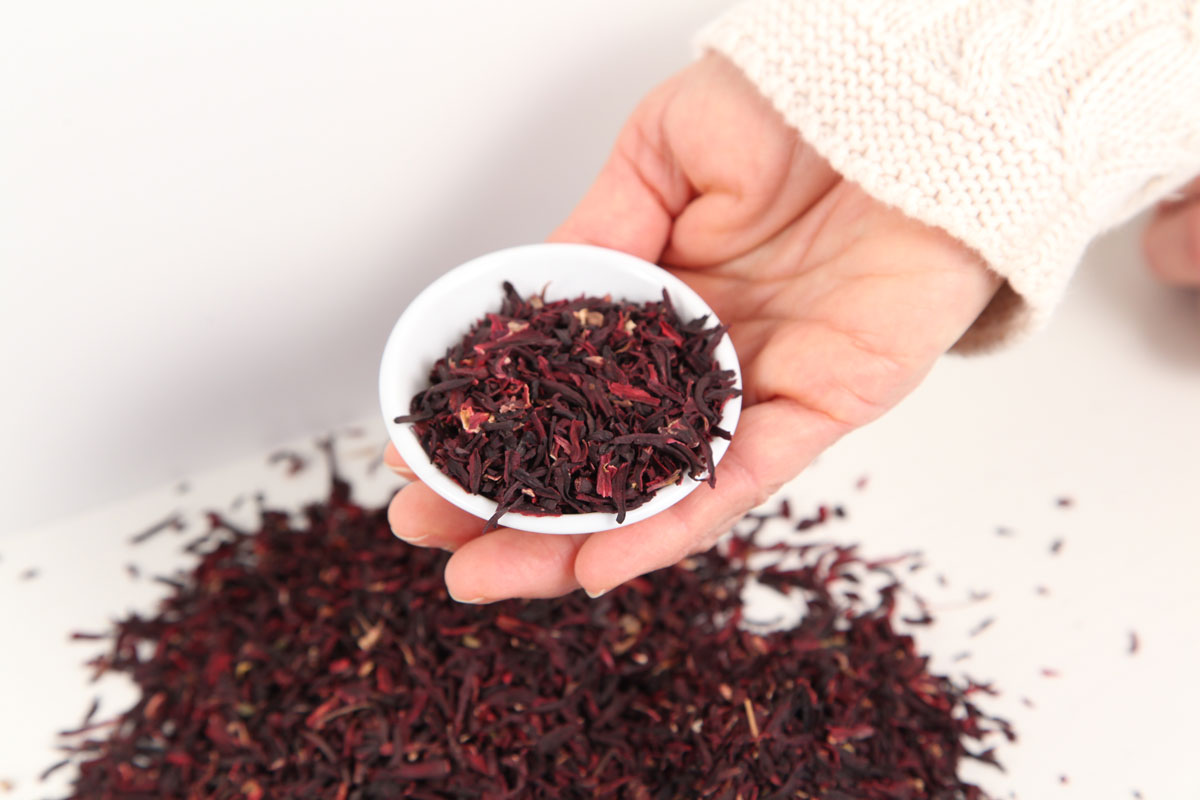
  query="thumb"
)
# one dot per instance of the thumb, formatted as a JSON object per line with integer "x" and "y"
{"x": 634, "y": 200}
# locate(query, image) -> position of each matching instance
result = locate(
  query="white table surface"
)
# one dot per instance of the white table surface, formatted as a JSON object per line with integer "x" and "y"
{"x": 1102, "y": 408}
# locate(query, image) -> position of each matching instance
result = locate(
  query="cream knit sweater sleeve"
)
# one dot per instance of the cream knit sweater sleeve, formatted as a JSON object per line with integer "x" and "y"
{"x": 1022, "y": 128}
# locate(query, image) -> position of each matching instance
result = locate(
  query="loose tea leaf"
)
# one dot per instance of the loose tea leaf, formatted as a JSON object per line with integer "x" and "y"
{"x": 327, "y": 660}
{"x": 173, "y": 522}
{"x": 53, "y": 768}
{"x": 575, "y": 406}
{"x": 982, "y": 626}
{"x": 293, "y": 462}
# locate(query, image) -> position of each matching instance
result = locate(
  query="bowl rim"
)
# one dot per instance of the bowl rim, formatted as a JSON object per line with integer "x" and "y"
{"x": 397, "y": 363}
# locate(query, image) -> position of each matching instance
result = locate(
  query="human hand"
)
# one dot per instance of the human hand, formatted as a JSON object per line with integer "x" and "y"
{"x": 837, "y": 306}
{"x": 1172, "y": 239}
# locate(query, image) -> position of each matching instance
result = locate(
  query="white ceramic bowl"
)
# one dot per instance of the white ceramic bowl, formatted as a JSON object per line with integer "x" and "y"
{"x": 452, "y": 304}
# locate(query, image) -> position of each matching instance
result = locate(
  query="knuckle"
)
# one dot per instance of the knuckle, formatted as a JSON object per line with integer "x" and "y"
{"x": 865, "y": 393}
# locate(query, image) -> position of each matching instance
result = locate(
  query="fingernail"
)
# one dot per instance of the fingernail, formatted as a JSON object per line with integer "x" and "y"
{"x": 405, "y": 537}
{"x": 403, "y": 472}
{"x": 594, "y": 595}
{"x": 474, "y": 601}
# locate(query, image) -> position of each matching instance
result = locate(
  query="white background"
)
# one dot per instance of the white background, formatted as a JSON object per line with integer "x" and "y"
{"x": 210, "y": 222}
{"x": 212, "y": 213}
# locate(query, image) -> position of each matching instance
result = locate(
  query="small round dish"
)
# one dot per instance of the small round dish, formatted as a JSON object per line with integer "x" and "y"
{"x": 451, "y": 305}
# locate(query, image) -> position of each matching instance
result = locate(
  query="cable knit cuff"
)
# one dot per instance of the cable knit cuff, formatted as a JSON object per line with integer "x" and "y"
{"x": 1021, "y": 129}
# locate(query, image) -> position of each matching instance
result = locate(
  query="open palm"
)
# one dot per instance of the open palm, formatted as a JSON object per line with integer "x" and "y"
{"x": 837, "y": 306}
